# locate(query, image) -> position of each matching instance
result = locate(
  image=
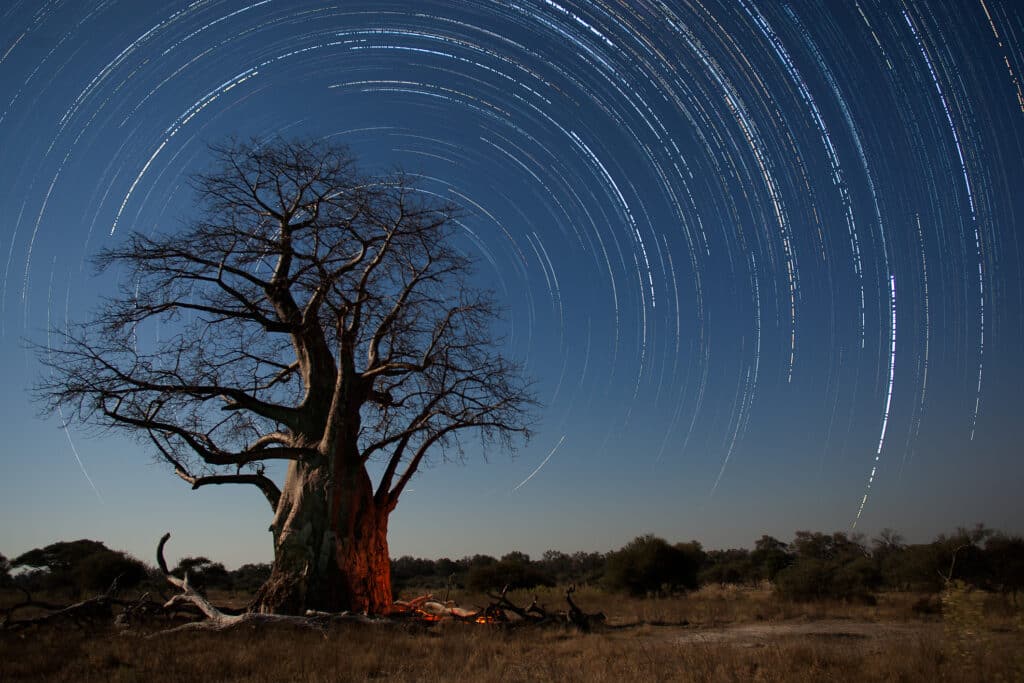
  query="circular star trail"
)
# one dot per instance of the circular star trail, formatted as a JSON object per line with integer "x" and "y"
{"x": 756, "y": 255}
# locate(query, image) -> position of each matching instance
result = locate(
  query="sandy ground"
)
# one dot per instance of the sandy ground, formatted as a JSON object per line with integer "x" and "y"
{"x": 754, "y": 635}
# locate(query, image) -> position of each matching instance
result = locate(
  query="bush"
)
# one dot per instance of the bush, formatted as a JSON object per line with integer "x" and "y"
{"x": 408, "y": 572}
{"x": 1005, "y": 561}
{"x": 514, "y": 570}
{"x": 203, "y": 573}
{"x": 769, "y": 557}
{"x": 727, "y": 566}
{"x": 804, "y": 581}
{"x": 580, "y": 568}
{"x": 811, "y": 579}
{"x": 249, "y": 577}
{"x": 77, "y": 566}
{"x": 649, "y": 564}
{"x": 98, "y": 571}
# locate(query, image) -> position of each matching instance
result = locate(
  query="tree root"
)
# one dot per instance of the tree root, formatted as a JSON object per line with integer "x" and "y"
{"x": 217, "y": 620}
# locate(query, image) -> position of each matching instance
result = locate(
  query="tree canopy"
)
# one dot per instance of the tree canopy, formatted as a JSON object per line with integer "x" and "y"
{"x": 311, "y": 314}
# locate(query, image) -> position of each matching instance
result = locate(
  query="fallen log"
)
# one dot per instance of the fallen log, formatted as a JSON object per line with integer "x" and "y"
{"x": 84, "y": 612}
{"x": 537, "y": 614}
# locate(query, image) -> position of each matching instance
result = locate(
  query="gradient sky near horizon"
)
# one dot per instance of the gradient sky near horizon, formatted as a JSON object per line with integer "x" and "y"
{"x": 763, "y": 259}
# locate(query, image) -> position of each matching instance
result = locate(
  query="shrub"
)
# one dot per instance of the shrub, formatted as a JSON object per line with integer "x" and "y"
{"x": 203, "y": 573}
{"x": 649, "y": 564}
{"x": 1005, "y": 562}
{"x": 727, "y": 566}
{"x": 769, "y": 557}
{"x": 811, "y": 579}
{"x": 80, "y": 565}
{"x": 249, "y": 577}
{"x": 806, "y": 580}
{"x": 514, "y": 570}
{"x": 408, "y": 571}
{"x": 99, "y": 571}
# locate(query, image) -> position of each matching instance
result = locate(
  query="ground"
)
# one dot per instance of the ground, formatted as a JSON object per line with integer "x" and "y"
{"x": 714, "y": 635}
{"x": 762, "y": 634}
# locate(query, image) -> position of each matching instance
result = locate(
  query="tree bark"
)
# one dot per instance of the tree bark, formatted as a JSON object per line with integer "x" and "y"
{"x": 362, "y": 548}
{"x": 330, "y": 545}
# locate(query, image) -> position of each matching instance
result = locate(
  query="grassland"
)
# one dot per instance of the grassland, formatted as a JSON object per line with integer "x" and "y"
{"x": 715, "y": 634}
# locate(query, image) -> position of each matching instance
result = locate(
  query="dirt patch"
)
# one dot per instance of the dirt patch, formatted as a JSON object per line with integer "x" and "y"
{"x": 754, "y": 635}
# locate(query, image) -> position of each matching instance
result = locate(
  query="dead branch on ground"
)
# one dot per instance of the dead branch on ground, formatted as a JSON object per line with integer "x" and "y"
{"x": 218, "y": 620}
{"x": 537, "y": 614}
{"x": 81, "y": 613}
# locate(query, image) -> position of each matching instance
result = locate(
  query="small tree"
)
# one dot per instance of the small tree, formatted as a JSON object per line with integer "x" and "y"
{"x": 249, "y": 577}
{"x": 726, "y": 566}
{"x": 203, "y": 573}
{"x": 769, "y": 557}
{"x": 649, "y": 564}
{"x": 408, "y": 571}
{"x": 836, "y": 566}
{"x": 887, "y": 553}
{"x": 514, "y": 570}
{"x": 80, "y": 565}
{"x": 1004, "y": 556}
{"x": 311, "y": 315}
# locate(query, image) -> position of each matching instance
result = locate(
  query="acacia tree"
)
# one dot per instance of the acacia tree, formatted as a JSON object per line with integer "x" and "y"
{"x": 310, "y": 314}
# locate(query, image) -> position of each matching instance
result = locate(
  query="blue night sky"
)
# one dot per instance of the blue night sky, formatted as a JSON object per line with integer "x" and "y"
{"x": 762, "y": 258}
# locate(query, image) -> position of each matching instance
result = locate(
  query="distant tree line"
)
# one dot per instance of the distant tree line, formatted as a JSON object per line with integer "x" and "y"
{"x": 813, "y": 566}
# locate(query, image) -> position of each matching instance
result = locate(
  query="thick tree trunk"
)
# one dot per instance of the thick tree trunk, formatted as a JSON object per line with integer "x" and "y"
{"x": 361, "y": 551}
{"x": 330, "y": 545}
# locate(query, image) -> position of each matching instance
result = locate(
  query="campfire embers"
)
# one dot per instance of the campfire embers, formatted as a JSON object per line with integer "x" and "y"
{"x": 428, "y": 609}
{"x": 501, "y": 611}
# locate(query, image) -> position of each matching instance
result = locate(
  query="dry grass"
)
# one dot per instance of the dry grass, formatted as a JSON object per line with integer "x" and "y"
{"x": 713, "y": 606}
{"x": 646, "y": 641}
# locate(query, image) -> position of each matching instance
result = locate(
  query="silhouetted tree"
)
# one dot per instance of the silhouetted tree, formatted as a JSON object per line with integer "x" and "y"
{"x": 1004, "y": 560}
{"x": 557, "y": 565}
{"x": 514, "y": 570}
{"x": 588, "y": 567}
{"x": 963, "y": 549}
{"x": 887, "y": 552}
{"x": 727, "y": 566}
{"x": 834, "y": 566}
{"x": 917, "y": 567}
{"x": 769, "y": 557}
{"x": 203, "y": 573}
{"x": 311, "y": 315}
{"x": 407, "y": 571}
{"x": 76, "y": 566}
{"x": 649, "y": 564}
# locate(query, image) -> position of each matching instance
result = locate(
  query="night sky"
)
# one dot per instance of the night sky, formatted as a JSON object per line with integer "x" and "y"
{"x": 762, "y": 258}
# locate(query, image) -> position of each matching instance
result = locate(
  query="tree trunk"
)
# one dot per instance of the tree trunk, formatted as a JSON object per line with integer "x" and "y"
{"x": 361, "y": 551}
{"x": 330, "y": 545}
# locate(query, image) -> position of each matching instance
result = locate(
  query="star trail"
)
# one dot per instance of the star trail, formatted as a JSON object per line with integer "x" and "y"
{"x": 707, "y": 222}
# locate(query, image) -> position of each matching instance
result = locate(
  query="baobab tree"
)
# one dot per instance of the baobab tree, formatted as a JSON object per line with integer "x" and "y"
{"x": 309, "y": 314}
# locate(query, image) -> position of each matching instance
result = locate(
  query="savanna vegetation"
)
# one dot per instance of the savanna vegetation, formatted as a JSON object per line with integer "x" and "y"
{"x": 819, "y": 607}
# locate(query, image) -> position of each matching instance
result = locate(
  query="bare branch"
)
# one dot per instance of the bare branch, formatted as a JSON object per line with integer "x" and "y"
{"x": 262, "y": 482}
